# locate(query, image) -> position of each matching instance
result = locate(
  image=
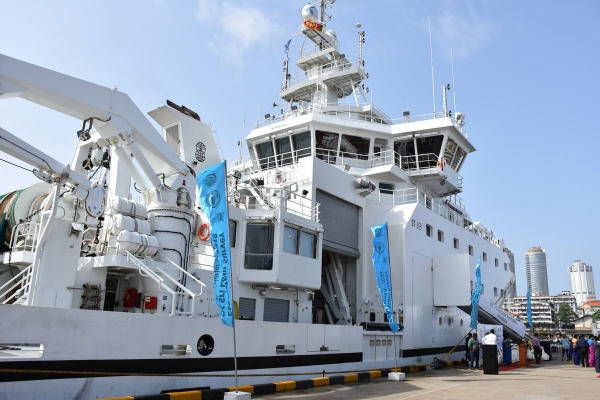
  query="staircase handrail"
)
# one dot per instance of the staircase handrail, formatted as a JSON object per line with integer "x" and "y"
{"x": 185, "y": 272}
{"x": 17, "y": 280}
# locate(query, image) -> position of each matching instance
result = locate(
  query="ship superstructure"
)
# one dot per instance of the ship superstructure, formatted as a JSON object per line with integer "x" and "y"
{"x": 94, "y": 280}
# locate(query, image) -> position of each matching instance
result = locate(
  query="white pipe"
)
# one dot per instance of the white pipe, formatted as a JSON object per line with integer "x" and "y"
{"x": 125, "y": 158}
{"x": 144, "y": 164}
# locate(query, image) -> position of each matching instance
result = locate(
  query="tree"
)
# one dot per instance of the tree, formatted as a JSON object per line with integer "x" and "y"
{"x": 565, "y": 314}
{"x": 596, "y": 316}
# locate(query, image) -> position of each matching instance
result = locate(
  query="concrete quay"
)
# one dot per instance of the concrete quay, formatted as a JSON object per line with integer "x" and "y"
{"x": 549, "y": 380}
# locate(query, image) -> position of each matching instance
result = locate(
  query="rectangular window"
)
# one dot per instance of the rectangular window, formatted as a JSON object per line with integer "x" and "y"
{"x": 299, "y": 242}
{"x": 440, "y": 236}
{"x": 405, "y": 155}
{"x": 386, "y": 188}
{"x": 470, "y": 250}
{"x": 495, "y": 291}
{"x": 495, "y": 262}
{"x": 455, "y": 243}
{"x": 429, "y": 230}
{"x": 266, "y": 155}
{"x": 505, "y": 266}
{"x": 482, "y": 287}
{"x": 284, "y": 151}
{"x": 485, "y": 257}
{"x": 232, "y": 232}
{"x": 354, "y": 147}
{"x": 259, "y": 245}
{"x": 301, "y": 142}
{"x": 326, "y": 145}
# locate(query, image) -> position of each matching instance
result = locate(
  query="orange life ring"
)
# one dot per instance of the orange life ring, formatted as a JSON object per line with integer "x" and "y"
{"x": 205, "y": 227}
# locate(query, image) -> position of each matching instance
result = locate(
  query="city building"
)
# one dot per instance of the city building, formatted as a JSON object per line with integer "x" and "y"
{"x": 590, "y": 306}
{"x": 512, "y": 291}
{"x": 582, "y": 281}
{"x": 543, "y": 308}
{"x": 537, "y": 271}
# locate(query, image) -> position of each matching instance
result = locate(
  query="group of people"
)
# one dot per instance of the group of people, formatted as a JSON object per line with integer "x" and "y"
{"x": 582, "y": 351}
{"x": 474, "y": 346}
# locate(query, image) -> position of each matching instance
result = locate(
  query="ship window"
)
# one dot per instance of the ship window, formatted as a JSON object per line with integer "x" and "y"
{"x": 299, "y": 242}
{"x": 495, "y": 291}
{"x": 232, "y": 232}
{"x": 458, "y": 159}
{"x": 266, "y": 155}
{"x": 376, "y": 151}
{"x": 495, "y": 262}
{"x": 175, "y": 350}
{"x": 259, "y": 246}
{"x": 429, "y": 230}
{"x": 455, "y": 243}
{"x": 450, "y": 150}
{"x": 405, "y": 154}
{"x": 354, "y": 147}
{"x": 429, "y": 150}
{"x": 386, "y": 188}
{"x": 284, "y": 151}
{"x": 505, "y": 266}
{"x": 327, "y": 143}
{"x": 440, "y": 236}
{"x": 485, "y": 257}
{"x": 301, "y": 142}
{"x": 470, "y": 250}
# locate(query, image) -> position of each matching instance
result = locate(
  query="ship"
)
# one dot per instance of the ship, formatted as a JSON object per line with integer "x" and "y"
{"x": 107, "y": 267}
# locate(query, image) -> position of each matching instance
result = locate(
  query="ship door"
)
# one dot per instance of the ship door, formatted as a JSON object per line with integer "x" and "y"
{"x": 110, "y": 297}
{"x": 422, "y": 300}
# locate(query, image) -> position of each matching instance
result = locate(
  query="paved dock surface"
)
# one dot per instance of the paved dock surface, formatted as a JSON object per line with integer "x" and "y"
{"x": 549, "y": 380}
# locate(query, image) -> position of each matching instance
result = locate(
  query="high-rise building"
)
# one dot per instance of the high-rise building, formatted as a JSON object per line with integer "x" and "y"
{"x": 537, "y": 271}
{"x": 512, "y": 291}
{"x": 582, "y": 282}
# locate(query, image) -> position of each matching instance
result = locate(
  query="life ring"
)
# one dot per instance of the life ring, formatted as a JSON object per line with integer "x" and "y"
{"x": 441, "y": 163}
{"x": 205, "y": 227}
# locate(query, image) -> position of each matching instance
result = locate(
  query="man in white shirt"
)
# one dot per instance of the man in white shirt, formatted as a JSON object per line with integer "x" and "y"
{"x": 490, "y": 338}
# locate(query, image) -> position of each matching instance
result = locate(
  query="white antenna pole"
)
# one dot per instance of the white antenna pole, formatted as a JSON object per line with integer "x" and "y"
{"x": 431, "y": 55}
{"x": 453, "y": 84}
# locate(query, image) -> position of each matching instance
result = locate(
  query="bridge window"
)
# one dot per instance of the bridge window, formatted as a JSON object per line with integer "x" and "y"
{"x": 259, "y": 246}
{"x": 429, "y": 150}
{"x": 354, "y": 147}
{"x": 405, "y": 154}
{"x": 386, "y": 188}
{"x": 284, "y": 151}
{"x": 458, "y": 159}
{"x": 266, "y": 155}
{"x": 327, "y": 144}
{"x": 301, "y": 142}
{"x": 299, "y": 242}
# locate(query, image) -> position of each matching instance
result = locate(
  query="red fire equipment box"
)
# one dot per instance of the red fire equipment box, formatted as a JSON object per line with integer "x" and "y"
{"x": 151, "y": 303}
{"x": 130, "y": 298}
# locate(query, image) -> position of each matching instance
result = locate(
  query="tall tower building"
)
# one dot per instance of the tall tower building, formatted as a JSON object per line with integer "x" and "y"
{"x": 537, "y": 271}
{"x": 582, "y": 281}
{"x": 512, "y": 291}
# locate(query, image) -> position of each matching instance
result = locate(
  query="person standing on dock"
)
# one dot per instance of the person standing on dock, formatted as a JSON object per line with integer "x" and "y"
{"x": 565, "y": 348}
{"x": 583, "y": 349}
{"x": 537, "y": 348}
{"x": 468, "y": 351}
{"x": 474, "y": 348}
{"x": 506, "y": 351}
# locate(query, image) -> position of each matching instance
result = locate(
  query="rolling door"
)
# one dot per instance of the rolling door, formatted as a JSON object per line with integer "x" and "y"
{"x": 276, "y": 310}
{"x": 340, "y": 222}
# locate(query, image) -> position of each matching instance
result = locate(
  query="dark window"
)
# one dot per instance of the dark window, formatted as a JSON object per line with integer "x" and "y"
{"x": 470, "y": 250}
{"x": 495, "y": 262}
{"x": 284, "y": 151}
{"x": 232, "y": 232}
{"x": 505, "y": 266}
{"x": 326, "y": 145}
{"x": 405, "y": 154}
{"x": 429, "y": 230}
{"x": 266, "y": 155}
{"x": 429, "y": 150}
{"x": 386, "y": 188}
{"x": 259, "y": 245}
{"x": 455, "y": 243}
{"x": 376, "y": 151}
{"x": 301, "y": 142}
{"x": 485, "y": 257}
{"x": 440, "y": 236}
{"x": 354, "y": 147}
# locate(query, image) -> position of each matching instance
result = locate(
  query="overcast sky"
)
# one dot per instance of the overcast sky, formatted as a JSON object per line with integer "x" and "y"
{"x": 526, "y": 75}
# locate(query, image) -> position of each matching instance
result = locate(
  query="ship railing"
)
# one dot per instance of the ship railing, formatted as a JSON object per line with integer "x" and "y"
{"x": 149, "y": 272}
{"x": 24, "y": 236}
{"x": 183, "y": 272}
{"x": 286, "y": 200}
{"x": 12, "y": 290}
{"x": 313, "y": 48}
{"x": 322, "y": 71}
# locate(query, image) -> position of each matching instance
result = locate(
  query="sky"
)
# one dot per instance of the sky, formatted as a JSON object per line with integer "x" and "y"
{"x": 525, "y": 73}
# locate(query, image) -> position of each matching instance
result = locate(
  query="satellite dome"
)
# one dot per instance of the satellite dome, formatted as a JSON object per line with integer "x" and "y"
{"x": 310, "y": 13}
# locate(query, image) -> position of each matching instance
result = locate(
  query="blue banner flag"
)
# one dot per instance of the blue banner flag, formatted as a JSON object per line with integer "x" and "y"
{"x": 529, "y": 316}
{"x": 475, "y": 296}
{"x": 381, "y": 262}
{"x": 213, "y": 200}
{"x": 287, "y": 45}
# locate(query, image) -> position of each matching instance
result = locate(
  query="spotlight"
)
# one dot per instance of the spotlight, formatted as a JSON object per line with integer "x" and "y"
{"x": 304, "y": 193}
{"x": 267, "y": 116}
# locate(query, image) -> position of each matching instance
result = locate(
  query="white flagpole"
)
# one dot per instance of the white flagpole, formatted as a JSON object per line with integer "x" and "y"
{"x": 387, "y": 236}
{"x": 231, "y": 286}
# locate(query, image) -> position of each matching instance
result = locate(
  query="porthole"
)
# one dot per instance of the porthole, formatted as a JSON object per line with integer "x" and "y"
{"x": 461, "y": 322}
{"x": 440, "y": 321}
{"x": 206, "y": 345}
